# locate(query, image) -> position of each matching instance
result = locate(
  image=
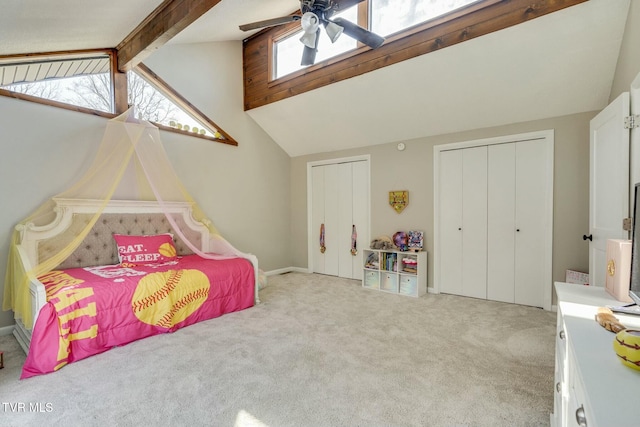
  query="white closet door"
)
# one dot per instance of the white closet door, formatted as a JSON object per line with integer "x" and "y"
{"x": 501, "y": 183}
{"x": 331, "y": 220}
{"x": 317, "y": 216}
{"x": 450, "y": 229}
{"x": 339, "y": 200}
{"x": 360, "y": 214}
{"x": 474, "y": 222}
{"x": 531, "y": 253}
{"x": 345, "y": 219}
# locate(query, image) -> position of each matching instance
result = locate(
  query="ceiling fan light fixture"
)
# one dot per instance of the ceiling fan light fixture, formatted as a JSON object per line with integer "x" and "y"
{"x": 309, "y": 39}
{"x": 310, "y": 22}
{"x": 333, "y": 30}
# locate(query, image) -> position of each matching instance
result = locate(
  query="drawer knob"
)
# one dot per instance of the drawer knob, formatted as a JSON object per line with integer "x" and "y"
{"x": 558, "y": 387}
{"x": 561, "y": 334}
{"x": 581, "y": 419}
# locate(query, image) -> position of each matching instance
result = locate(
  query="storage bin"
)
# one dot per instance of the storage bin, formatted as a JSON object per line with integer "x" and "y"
{"x": 389, "y": 282}
{"x": 371, "y": 280}
{"x": 408, "y": 285}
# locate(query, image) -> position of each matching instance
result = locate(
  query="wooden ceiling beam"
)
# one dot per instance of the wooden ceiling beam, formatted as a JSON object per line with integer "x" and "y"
{"x": 171, "y": 17}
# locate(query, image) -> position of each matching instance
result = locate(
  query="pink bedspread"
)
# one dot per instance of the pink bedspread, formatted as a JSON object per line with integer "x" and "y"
{"x": 90, "y": 310}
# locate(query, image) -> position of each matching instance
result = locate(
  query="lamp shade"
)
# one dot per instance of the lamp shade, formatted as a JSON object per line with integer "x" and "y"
{"x": 309, "y": 39}
{"x": 310, "y": 22}
{"x": 333, "y": 30}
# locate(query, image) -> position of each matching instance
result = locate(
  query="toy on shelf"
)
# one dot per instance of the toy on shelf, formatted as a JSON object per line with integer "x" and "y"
{"x": 401, "y": 240}
{"x": 416, "y": 239}
{"x": 382, "y": 242}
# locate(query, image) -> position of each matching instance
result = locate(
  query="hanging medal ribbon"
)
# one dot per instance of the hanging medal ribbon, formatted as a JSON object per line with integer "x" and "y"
{"x": 322, "y": 247}
{"x": 354, "y": 240}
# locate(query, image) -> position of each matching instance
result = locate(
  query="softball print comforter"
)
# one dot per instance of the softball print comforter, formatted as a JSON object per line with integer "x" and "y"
{"x": 90, "y": 310}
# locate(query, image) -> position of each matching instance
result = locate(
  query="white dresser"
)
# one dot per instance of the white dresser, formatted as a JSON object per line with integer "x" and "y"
{"x": 592, "y": 387}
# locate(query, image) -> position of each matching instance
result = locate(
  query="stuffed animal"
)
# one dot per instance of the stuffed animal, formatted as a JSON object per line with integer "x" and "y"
{"x": 382, "y": 242}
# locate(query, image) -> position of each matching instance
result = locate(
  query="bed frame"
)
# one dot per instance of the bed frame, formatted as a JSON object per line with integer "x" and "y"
{"x": 99, "y": 248}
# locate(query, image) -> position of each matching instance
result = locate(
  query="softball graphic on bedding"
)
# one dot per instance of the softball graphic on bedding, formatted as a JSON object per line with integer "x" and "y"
{"x": 167, "y": 250}
{"x": 167, "y": 298}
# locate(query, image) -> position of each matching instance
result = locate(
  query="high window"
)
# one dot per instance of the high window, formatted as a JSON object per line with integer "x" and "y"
{"x": 384, "y": 17}
{"x": 288, "y": 50}
{"x": 70, "y": 80}
{"x": 391, "y": 16}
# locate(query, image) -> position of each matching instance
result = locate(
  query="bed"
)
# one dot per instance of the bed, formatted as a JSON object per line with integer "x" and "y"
{"x": 131, "y": 277}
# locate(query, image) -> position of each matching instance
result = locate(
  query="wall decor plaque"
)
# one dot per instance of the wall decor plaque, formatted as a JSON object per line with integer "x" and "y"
{"x": 398, "y": 200}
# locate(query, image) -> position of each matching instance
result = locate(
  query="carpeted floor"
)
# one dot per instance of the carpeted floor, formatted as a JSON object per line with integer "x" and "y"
{"x": 318, "y": 351}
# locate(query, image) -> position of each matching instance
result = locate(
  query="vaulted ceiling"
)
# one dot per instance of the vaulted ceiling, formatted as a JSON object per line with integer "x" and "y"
{"x": 558, "y": 64}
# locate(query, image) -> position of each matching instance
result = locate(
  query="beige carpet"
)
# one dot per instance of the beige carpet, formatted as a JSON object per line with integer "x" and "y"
{"x": 318, "y": 351}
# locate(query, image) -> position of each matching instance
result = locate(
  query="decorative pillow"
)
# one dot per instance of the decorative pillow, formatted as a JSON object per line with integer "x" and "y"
{"x": 150, "y": 249}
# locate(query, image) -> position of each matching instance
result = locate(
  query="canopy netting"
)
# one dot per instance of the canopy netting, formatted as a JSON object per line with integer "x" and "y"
{"x": 131, "y": 164}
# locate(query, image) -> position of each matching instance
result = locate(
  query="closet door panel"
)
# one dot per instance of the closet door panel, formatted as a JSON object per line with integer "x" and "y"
{"x": 450, "y": 217}
{"x": 501, "y": 222}
{"x": 345, "y": 219}
{"x": 317, "y": 216}
{"x": 474, "y": 222}
{"x": 360, "y": 214}
{"x": 331, "y": 218}
{"x": 531, "y": 208}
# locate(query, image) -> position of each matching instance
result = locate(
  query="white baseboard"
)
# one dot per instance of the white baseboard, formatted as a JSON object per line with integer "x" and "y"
{"x": 6, "y": 330}
{"x": 286, "y": 270}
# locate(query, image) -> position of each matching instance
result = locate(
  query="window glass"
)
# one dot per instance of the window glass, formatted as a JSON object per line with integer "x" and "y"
{"x": 288, "y": 51}
{"x": 86, "y": 82}
{"x": 153, "y": 105}
{"x": 391, "y": 16}
{"x": 79, "y": 81}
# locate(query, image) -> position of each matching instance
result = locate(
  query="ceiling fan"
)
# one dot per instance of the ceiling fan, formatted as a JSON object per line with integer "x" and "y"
{"x": 314, "y": 13}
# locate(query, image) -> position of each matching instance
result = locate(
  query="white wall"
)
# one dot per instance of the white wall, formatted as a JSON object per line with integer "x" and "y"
{"x": 244, "y": 189}
{"x": 628, "y": 65}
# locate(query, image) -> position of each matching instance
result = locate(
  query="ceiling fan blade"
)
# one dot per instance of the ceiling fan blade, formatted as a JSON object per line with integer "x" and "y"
{"x": 309, "y": 53}
{"x": 269, "y": 22}
{"x": 357, "y": 32}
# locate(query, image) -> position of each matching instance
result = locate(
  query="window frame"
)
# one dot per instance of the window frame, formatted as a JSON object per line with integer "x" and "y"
{"x": 118, "y": 92}
{"x": 364, "y": 20}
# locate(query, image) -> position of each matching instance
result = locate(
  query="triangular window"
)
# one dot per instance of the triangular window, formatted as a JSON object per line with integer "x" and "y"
{"x": 84, "y": 81}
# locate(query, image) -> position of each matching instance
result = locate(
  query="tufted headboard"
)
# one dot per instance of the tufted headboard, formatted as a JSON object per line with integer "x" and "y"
{"x": 121, "y": 217}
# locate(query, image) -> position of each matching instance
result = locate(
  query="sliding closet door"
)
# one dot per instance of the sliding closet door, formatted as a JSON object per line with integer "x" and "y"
{"x": 325, "y": 216}
{"x": 501, "y": 222}
{"x": 345, "y": 203}
{"x": 340, "y": 201}
{"x": 495, "y": 220}
{"x": 474, "y": 222}
{"x": 353, "y": 201}
{"x": 463, "y": 222}
{"x": 360, "y": 215}
{"x": 532, "y": 177}
{"x": 450, "y": 229}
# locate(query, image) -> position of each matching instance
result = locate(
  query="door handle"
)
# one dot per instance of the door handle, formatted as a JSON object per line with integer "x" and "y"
{"x": 589, "y": 237}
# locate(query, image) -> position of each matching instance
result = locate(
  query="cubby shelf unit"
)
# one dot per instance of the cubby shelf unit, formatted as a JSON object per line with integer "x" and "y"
{"x": 403, "y": 273}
